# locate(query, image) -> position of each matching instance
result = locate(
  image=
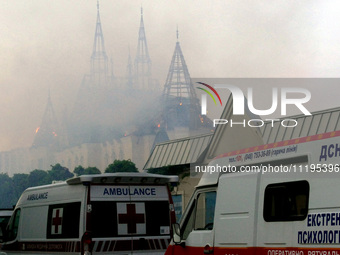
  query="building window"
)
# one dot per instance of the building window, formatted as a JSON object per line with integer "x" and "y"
{"x": 286, "y": 201}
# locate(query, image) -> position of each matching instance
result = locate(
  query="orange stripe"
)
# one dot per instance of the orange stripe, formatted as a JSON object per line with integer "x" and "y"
{"x": 187, "y": 250}
{"x": 282, "y": 143}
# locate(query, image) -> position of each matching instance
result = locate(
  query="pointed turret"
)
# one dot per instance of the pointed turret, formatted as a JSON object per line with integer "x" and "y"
{"x": 99, "y": 59}
{"x": 47, "y": 133}
{"x": 142, "y": 61}
{"x": 181, "y": 105}
{"x": 178, "y": 82}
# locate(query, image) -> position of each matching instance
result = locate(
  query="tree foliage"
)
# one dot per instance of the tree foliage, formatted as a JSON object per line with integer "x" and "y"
{"x": 11, "y": 188}
{"x": 59, "y": 173}
{"x": 92, "y": 170}
{"x": 121, "y": 166}
{"x": 8, "y": 198}
{"x": 79, "y": 170}
{"x": 38, "y": 177}
{"x": 20, "y": 182}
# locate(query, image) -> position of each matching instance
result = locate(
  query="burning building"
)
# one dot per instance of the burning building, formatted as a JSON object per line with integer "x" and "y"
{"x": 100, "y": 128}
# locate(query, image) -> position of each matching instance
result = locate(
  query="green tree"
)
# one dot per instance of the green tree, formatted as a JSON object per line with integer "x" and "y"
{"x": 79, "y": 170}
{"x": 121, "y": 166}
{"x": 92, "y": 170}
{"x": 20, "y": 182}
{"x": 8, "y": 198}
{"x": 38, "y": 177}
{"x": 59, "y": 173}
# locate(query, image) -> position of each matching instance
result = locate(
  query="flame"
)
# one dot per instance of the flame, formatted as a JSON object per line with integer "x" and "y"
{"x": 180, "y": 103}
{"x": 159, "y": 125}
{"x": 36, "y": 131}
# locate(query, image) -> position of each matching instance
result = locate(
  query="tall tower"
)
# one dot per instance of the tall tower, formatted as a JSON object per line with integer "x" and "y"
{"x": 142, "y": 61}
{"x": 181, "y": 106}
{"x": 129, "y": 72}
{"x": 47, "y": 133}
{"x": 93, "y": 107}
{"x": 99, "y": 59}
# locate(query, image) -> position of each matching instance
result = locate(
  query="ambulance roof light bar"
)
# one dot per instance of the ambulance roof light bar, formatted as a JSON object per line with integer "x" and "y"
{"x": 123, "y": 178}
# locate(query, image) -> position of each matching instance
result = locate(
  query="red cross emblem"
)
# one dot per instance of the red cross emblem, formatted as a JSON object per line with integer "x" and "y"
{"x": 131, "y": 218}
{"x": 57, "y": 220}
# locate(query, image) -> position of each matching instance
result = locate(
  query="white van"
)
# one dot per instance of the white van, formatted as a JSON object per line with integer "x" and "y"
{"x": 120, "y": 213}
{"x": 275, "y": 199}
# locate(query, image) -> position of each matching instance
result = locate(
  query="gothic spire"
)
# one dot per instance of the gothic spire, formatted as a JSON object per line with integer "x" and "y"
{"x": 142, "y": 61}
{"x": 178, "y": 82}
{"x": 99, "y": 59}
{"x": 181, "y": 105}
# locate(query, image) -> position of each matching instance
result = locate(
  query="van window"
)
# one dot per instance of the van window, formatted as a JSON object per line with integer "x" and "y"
{"x": 63, "y": 220}
{"x": 140, "y": 218}
{"x": 286, "y": 201}
{"x": 201, "y": 213}
{"x": 189, "y": 222}
{"x": 13, "y": 226}
{"x": 205, "y": 211}
{"x": 3, "y": 224}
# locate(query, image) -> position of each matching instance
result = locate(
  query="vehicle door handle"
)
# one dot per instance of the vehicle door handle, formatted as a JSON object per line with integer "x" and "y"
{"x": 208, "y": 249}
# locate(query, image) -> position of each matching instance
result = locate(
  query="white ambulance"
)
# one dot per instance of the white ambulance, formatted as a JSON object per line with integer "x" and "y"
{"x": 275, "y": 199}
{"x": 120, "y": 213}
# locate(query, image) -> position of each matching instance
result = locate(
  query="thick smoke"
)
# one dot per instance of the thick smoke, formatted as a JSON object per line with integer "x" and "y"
{"x": 47, "y": 46}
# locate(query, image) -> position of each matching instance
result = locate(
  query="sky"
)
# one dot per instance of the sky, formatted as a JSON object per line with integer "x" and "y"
{"x": 46, "y": 46}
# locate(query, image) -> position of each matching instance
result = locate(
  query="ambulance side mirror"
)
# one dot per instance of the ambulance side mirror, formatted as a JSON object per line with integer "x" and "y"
{"x": 176, "y": 232}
